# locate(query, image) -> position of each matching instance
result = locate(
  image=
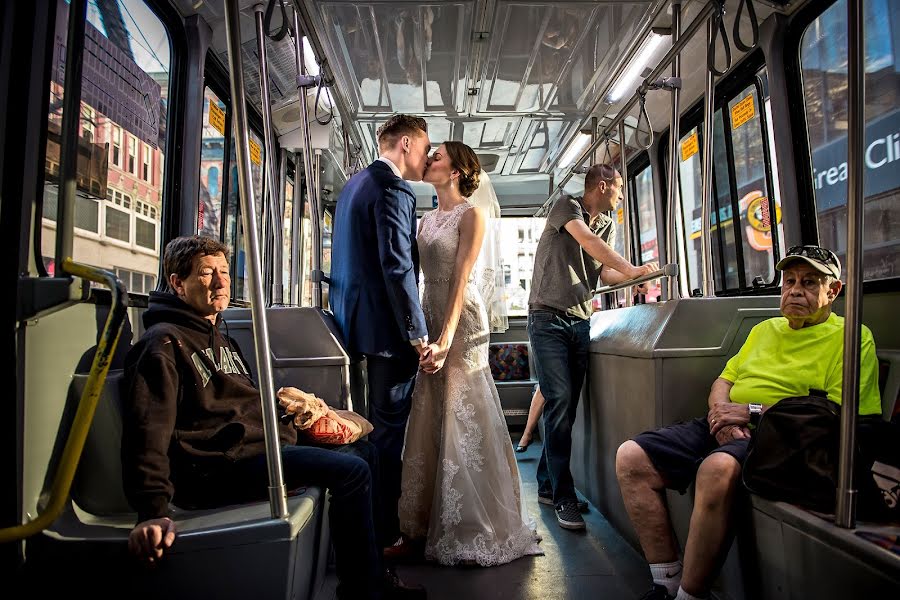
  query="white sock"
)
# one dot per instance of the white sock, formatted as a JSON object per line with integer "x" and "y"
{"x": 683, "y": 595}
{"x": 667, "y": 575}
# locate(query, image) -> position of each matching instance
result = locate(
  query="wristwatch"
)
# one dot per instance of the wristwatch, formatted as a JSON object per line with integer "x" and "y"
{"x": 755, "y": 413}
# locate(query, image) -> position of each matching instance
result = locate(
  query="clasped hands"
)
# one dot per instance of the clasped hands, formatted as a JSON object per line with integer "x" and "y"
{"x": 728, "y": 421}
{"x": 432, "y": 356}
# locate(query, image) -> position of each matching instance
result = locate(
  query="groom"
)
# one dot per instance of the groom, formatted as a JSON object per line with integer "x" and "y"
{"x": 374, "y": 295}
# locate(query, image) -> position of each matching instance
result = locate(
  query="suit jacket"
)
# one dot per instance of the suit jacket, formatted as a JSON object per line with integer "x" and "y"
{"x": 375, "y": 264}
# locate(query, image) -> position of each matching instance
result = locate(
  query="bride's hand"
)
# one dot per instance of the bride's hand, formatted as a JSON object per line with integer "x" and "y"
{"x": 433, "y": 360}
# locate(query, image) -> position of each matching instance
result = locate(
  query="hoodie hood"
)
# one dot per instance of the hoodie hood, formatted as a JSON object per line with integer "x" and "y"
{"x": 166, "y": 307}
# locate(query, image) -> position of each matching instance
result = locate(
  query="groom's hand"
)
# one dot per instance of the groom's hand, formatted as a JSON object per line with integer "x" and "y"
{"x": 433, "y": 358}
{"x": 424, "y": 350}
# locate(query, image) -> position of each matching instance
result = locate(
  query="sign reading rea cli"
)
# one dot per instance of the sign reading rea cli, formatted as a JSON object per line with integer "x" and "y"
{"x": 882, "y": 148}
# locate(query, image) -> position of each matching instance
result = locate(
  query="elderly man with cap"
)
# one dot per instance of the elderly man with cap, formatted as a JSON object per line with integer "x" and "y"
{"x": 782, "y": 357}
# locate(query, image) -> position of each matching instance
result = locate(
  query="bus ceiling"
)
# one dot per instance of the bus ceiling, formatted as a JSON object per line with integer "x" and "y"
{"x": 520, "y": 83}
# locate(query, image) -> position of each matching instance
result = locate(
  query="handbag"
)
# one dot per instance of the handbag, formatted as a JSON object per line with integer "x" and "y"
{"x": 793, "y": 453}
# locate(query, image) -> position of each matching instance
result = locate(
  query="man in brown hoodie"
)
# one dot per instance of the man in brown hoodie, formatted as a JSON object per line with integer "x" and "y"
{"x": 193, "y": 431}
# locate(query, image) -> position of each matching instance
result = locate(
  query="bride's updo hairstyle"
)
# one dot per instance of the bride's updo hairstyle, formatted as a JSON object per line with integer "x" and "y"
{"x": 464, "y": 160}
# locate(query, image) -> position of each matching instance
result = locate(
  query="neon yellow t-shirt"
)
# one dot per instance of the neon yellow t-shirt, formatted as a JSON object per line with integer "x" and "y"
{"x": 778, "y": 362}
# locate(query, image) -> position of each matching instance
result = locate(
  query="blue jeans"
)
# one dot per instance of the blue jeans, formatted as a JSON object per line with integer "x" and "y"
{"x": 347, "y": 473}
{"x": 560, "y": 347}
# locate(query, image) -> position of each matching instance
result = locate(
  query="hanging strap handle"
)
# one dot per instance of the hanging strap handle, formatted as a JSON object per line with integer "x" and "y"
{"x": 718, "y": 30}
{"x": 643, "y": 116}
{"x": 754, "y": 27}
{"x": 607, "y": 155}
{"x": 267, "y": 20}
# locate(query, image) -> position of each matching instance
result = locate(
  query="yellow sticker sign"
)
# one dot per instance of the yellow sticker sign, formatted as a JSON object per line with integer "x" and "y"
{"x": 742, "y": 112}
{"x": 217, "y": 117}
{"x": 689, "y": 147}
{"x": 255, "y": 153}
{"x": 620, "y": 215}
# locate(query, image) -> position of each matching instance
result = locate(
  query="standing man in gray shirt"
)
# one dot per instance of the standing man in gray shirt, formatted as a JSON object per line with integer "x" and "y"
{"x": 573, "y": 252}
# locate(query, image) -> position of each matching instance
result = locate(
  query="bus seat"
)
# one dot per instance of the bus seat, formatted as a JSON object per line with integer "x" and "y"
{"x": 228, "y": 552}
{"x": 306, "y": 347}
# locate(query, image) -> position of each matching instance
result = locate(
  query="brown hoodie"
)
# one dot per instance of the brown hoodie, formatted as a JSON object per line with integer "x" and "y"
{"x": 190, "y": 408}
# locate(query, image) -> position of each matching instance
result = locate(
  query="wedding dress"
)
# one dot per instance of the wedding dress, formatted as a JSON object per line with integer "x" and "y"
{"x": 461, "y": 489}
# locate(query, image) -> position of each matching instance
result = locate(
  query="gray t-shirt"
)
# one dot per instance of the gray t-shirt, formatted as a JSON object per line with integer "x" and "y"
{"x": 564, "y": 274}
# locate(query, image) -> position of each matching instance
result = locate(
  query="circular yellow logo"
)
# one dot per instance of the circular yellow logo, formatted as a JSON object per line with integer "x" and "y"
{"x": 758, "y": 212}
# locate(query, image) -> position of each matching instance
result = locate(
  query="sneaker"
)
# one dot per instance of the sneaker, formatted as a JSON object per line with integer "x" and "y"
{"x": 568, "y": 516}
{"x": 657, "y": 592}
{"x": 548, "y": 500}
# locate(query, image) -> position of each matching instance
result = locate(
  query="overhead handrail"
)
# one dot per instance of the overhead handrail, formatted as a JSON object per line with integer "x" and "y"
{"x": 754, "y": 27}
{"x": 718, "y": 29}
{"x": 669, "y": 270}
{"x": 277, "y": 492}
{"x": 675, "y": 50}
{"x": 845, "y": 511}
{"x": 304, "y": 19}
{"x": 90, "y": 397}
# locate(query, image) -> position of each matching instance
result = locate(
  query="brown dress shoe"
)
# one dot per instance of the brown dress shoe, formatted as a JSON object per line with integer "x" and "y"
{"x": 405, "y": 551}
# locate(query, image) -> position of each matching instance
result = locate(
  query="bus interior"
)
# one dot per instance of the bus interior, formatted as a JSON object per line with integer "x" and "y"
{"x": 180, "y": 117}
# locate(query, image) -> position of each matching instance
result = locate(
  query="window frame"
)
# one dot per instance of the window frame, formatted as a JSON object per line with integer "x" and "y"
{"x": 727, "y": 88}
{"x": 802, "y": 151}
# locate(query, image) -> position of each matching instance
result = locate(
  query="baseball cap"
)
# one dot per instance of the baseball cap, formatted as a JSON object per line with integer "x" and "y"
{"x": 821, "y": 259}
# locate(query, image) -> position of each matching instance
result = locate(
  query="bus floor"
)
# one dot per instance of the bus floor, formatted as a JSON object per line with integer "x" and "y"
{"x": 597, "y": 563}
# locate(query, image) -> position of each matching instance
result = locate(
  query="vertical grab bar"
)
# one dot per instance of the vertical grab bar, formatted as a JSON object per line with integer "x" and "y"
{"x": 672, "y": 185}
{"x": 626, "y": 214}
{"x": 845, "y": 512}
{"x": 277, "y": 493}
{"x": 297, "y": 236}
{"x": 68, "y": 152}
{"x": 278, "y": 255}
{"x": 707, "y": 285}
{"x": 274, "y": 216}
{"x": 303, "y": 82}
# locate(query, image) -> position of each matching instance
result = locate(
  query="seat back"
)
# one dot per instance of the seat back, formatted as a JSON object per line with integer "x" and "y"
{"x": 97, "y": 487}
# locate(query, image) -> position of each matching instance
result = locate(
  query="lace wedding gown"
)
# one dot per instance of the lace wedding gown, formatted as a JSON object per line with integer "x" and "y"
{"x": 461, "y": 488}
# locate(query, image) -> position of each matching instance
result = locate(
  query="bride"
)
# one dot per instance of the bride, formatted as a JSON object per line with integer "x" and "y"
{"x": 461, "y": 496}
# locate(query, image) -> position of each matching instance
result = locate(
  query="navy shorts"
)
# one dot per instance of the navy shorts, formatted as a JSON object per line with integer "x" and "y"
{"x": 677, "y": 451}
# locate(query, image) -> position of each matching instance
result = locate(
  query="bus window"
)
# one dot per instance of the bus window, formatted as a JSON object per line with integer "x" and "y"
{"x": 752, "y": 186}
{"x": 645, "y": 223}
{"x": 121, "y": 143}
{"x": 305, "y": 255}
{"x": 234, "y": 228}
{"x": 721, "y": 223}
{"x": 327, "y": 228}
{"x": 519, "y": 237}
{"x": 689, "y": 167}
{"x": 823, "y": 61}
{"x": 286, "y": 237}
{"x": 212, "y": 165}
{"x": 741, "y": 186}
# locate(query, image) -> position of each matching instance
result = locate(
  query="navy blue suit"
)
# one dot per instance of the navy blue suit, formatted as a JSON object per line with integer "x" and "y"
{"x": 375, "y": 300}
